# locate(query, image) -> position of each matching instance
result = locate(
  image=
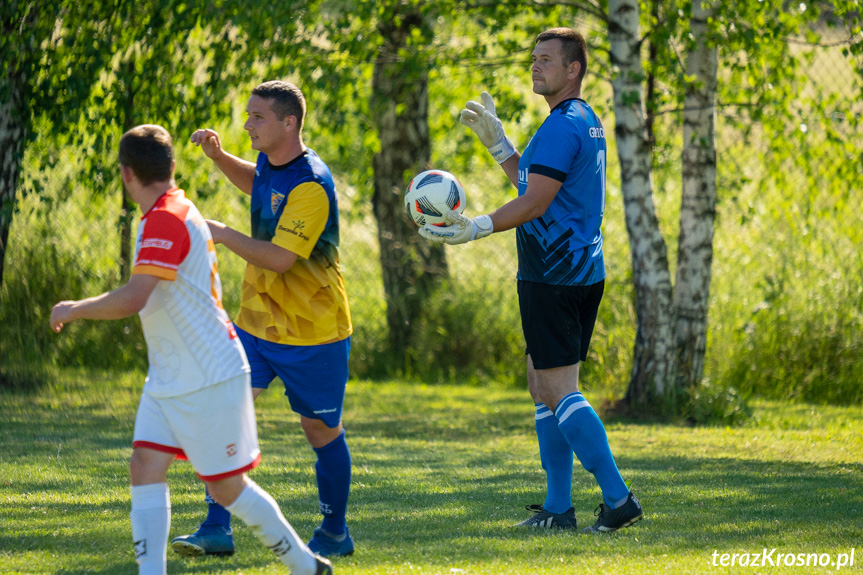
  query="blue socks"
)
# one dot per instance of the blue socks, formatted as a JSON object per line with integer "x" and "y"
{"x": 556, "y": 457}
{"x": 333, "y": 470}
{"x": 586, "y": 436}
{"x": 216, "y": 514}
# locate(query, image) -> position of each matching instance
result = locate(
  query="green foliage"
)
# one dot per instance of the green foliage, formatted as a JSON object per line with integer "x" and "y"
{"x": 708, "y": 403}
{"x": 791, "y": 330}
{"x": 789, "y": 140}
{"x": 786, "y": 303}
{"x": 795, "y": 346}
{"x": 60, "y": 254}
{"x": 451, "y": 45}
{"x": 468, "y": 334}
{"x": 170, "y": 63}
{"x": 52, "y": 66}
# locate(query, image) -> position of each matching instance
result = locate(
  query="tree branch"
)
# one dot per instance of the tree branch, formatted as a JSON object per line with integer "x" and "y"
{"x": 591, "y": 8}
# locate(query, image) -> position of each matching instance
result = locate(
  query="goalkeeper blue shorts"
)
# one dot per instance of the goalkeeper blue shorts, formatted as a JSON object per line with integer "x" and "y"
{"x": 315, "y": 376}
{"x": 558, "y": 321}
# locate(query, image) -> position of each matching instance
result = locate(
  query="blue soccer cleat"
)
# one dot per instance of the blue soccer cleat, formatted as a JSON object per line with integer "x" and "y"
{"x": 207, "y": 540}
{"x": 324, "y": 545}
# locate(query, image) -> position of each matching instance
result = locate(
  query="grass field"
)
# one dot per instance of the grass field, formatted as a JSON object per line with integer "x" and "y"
{"x": 440, "y": 475}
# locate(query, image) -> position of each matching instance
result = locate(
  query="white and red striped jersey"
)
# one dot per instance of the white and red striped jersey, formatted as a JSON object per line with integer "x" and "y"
{"x": 191, "y": 343}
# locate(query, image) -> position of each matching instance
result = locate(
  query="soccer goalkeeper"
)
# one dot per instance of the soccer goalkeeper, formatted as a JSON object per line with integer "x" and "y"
{"x": 560, "y": 179}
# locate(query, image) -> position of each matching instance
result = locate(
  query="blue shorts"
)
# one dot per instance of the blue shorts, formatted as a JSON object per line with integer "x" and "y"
{"x": 315, "y": 376}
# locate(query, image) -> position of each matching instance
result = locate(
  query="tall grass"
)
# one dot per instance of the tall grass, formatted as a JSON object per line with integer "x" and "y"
{"x": 789, "y": 307}
{"x": 787, "y": 302}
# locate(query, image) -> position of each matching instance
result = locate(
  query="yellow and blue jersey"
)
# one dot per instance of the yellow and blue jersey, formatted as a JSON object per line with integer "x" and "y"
{"x": 295, "y": 207}
{"x": 564, "y": 245}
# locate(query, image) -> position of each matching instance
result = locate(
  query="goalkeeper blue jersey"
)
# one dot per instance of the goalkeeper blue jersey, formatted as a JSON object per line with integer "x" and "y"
{"x": 564, "y": 245}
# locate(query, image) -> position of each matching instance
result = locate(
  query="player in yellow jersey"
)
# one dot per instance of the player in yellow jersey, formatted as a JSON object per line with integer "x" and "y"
{"x": 294, "y": 320}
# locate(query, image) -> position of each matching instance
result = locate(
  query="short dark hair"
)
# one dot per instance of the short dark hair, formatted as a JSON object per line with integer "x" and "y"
{"x": 573, "y": 45}
{"x": 149, "y": 150}
{"x": 288, "y": 99}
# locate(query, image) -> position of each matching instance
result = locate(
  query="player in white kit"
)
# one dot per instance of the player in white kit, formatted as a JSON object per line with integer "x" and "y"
{"x": 197, "y": 401}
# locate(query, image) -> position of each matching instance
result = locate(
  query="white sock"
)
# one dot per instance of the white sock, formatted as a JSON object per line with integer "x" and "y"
{"x": 261, "y": 512}
{"x": 151, "y": 520}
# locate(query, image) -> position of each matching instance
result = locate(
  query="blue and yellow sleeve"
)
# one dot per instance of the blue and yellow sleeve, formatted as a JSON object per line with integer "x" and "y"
{"x": 303, "y": 220}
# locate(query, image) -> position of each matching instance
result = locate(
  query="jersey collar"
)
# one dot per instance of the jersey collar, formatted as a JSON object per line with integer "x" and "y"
{"x": 566, "y": 103}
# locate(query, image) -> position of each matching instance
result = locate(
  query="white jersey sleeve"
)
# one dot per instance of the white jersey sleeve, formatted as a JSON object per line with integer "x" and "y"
{"x": 191, "y": 342}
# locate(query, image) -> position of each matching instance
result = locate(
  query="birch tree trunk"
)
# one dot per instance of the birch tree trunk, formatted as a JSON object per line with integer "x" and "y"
{"x": 411, "y": 267}
{"x": 698, "y": 204}
{"x": 654, "y": 360}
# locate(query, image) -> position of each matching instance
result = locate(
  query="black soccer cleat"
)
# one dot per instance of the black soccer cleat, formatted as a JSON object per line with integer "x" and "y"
{"x": 324, "y": 567}
{"x": 548, "y": 520}
{"x": 608, "y": 520}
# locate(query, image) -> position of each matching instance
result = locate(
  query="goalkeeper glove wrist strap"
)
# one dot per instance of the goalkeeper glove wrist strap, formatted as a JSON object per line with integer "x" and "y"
{"x": 482, "y": 227}
{"x": 502, "y": 150}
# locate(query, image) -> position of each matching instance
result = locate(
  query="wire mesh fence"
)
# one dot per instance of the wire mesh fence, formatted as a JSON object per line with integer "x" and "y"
{"x": 788, "y": 226}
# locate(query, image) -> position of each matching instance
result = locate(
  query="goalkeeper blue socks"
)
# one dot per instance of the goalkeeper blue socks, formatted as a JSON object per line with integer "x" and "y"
{"x": 216, "y": 514}
{"x": 586, "y": 435}
{"x": 556, "y": 457}
{"x": 333, "y": 470}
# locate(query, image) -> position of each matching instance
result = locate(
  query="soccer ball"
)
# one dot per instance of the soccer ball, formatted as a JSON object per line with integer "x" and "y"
{"x": 431, "y": 195}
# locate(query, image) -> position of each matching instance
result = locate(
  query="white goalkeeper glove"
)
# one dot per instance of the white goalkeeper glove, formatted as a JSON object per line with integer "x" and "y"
{"x": 460, "y": 230}
{"x": 481, "y": 119}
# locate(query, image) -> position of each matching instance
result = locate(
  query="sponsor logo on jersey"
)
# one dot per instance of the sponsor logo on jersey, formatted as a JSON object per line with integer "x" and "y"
{"x": 522, "y": 176}
{"x": 596, "y": 133}
{"x": 276, "y": 200}
{"x": 296, "y": 230}
{"x": 157, "y": 243}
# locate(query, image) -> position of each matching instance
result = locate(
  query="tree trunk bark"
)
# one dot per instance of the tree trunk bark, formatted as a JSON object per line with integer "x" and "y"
{"x": 13, "y": 132}
{"x": 698, "y": 204}
{"x": 411, "y": 267}
{"x": 653, "y": 58}
{"x": 653, "y": 358}
{"x": 124, "y": 221}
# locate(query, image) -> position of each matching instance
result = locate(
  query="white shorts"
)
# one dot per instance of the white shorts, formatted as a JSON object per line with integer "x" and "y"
{"x": 214, "y": 428}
